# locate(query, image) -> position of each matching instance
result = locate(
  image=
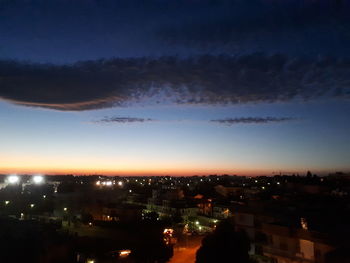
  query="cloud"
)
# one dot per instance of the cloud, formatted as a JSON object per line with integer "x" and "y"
{"x": 226, "y": 121}
{"x": 196, "y": 80}
{"x": 123, "y": 120}
{"x": 252, "y": 120}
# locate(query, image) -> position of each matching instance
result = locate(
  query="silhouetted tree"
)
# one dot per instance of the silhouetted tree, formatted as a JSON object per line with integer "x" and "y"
{"x": 151, "y": 216}
{"x": 86, "y": 218}
{"x": 177, "y": 218}
{"x": 224, "y": 245}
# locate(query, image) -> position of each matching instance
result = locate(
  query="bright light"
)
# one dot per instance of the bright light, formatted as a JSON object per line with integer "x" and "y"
{"x": 98, "y": 183}
{"x": 200, "y": 228}
{"x": 32, "y": 205}
{"x": 90, "y": 261}
{"x": 90, "y": 224}
{"x": 197, "y": 222}
{"x": 109, "y": 183}
{"x": 120, "y": 183}
{"x": 65, "y": 209}
{"x": 44, "y": 196}
{"x": 13, "y": 179}
{"x": 124, "y": 253}
{"x": 168, "y": 231}
{"x": 215, "y": 221}
{"x": 38, "y": 179}
{"x": 7, "y": 202}
{"x": 278, "y": 182}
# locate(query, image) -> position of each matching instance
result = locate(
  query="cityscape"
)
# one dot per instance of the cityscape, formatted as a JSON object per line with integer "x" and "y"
{"x": 174, "y": 131}
{"x": 165, "y": 219}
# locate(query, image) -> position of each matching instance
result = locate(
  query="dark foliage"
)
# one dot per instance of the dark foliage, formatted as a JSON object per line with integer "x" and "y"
{"x": 224, "y": 245}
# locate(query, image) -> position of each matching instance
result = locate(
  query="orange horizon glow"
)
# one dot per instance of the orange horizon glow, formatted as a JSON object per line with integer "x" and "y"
{"x": 26, "y": 164}
{"x": 146, "y": 172}
{"x": 77, "y": 171}
{"x": 88, "y": 165}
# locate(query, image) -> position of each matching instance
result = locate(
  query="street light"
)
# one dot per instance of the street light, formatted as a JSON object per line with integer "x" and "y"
{"x": 38, "y": 179}
{"x": 7, "y": 202}
{"x": 13, "y": 179}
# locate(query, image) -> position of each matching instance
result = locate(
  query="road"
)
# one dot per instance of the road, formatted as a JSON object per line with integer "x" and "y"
{"x": 184, "y": 255}
{"x": 185, "y": 252}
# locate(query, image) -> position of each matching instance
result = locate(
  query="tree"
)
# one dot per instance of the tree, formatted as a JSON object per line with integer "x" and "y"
{"x": 86, "y": 218}
{"x": 151, "y": 216}
{"x": 224, "y": 245}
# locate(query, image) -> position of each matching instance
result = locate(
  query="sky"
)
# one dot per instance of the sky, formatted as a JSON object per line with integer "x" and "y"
{"x": 165, "y": 87}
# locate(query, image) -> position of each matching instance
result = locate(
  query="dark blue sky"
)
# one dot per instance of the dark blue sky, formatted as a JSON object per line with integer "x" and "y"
{"x": 66, "y": 31}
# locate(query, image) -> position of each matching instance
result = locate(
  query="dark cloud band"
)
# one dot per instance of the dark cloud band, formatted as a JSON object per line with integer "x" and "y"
{"x": 226, "y": 121}
{"x": 252, "y": 120}
{"x": 123, "y": 120}
{"x": 197, "y": 80}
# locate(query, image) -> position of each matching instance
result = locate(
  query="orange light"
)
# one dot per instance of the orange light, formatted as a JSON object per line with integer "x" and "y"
{"x": 168, "y": 231}
{"x": 124, "y": 253}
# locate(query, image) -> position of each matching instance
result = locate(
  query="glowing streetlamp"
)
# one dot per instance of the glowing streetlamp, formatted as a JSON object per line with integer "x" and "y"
{"x": 32, "y": 205}
{"x": 38, "y": 179}
{"x": 7, "y": 202}
{"x": 13, "y": 179}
